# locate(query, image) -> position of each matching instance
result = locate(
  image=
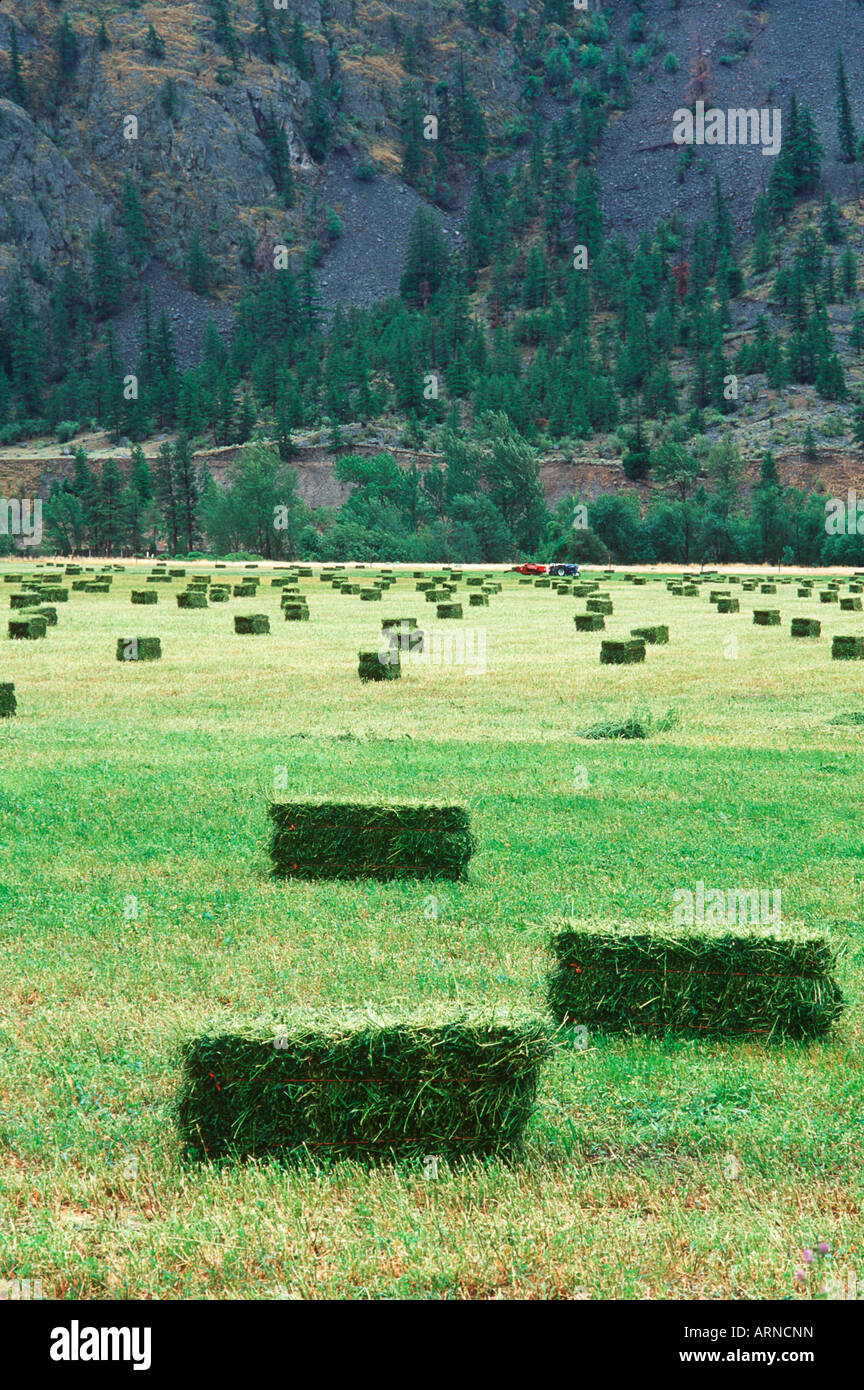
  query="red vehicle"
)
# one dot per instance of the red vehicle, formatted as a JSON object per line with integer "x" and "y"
{"x": 529, "y": 569}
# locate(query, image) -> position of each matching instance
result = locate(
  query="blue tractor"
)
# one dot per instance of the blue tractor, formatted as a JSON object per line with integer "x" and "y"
{"x": 560, "y": 570}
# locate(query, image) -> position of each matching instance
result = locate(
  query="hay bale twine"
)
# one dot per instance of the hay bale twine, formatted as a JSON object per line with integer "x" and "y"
{"x": 251, "y": 624}
{"x": 8, "y": 702}
{"x": 139, "y": 649}
{"x": 806, "y": 627}
{"x": 766, "y": 617}
{"x": 622, "y": 653}
{"x": 656, "y": 636}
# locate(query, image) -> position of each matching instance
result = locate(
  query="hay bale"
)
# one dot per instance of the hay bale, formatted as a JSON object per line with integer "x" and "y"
{"x": 177, "y": 574}
{"x": 589, "y": 622}
{"x": 245, "y": 590}
{"x": 599, "y": 605}
{"x": 767, "y": 588}
{"x": 690, "y": 590}
{"x": 478, "y": 600}
{"x": 144, "y": 596}
{"x": 806, "y": 627}
{"x": 21, "y": 600}
{"x": 192, "y": 600}
{"x": 525, "y": 580}
{"x": 474, "y": 581}
{"x": 656, "y": 636}
{"x": 622, "y": 653}
{"x": 370, "y": 595}
{"x": 29, "y": 627}
{"x": 406, "y": 638}
{"x": 139, "y": 649}
{"x": 736, "y": 984}
{"x": 542, "y": 583}
{"x": 48, "y": 613}
{"x": 715, "y": 594}
{"x": 828, "y": 596}
{"x": 54, "y": 593}
{"x": 8, "y": 702}
{"x": 387, "y": 623}
{"x": 332, "y": 841}
{"x": 850, "y": 605}
{"x": 766, "y": 617}
{"x": 449, "y": 610}
{"x": 97, "y": 587}
{"x": 382, "y": 665}
{"x": 219, "y": 595}
{"x": 804, "y": 593}
{"x": 844, "y": 648}
{"x": 296, "y": 612}
{"x": 251, "y": 624}
{"x": 728, "y": 605}
{"x": 299, "y": 1087}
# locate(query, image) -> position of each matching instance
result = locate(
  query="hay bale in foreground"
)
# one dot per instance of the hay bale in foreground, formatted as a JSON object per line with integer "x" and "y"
{"x": 383, "y": 665}
{"x": 323, "y": 840}
{"x": 28, "y": 628}
{"x": 806, "y": 627}
{"x": 697, "y": 984}
{"x": 8, "y": 702}
{"x": 657, "y": 636}
{"x": 850, "y": 605}
{"x": 251, "y": 624}
{"x": 349, "y": 1085}
{"x": 145, "y": 596}
{"x": 766, "y": 617}
{"x": 139, "y": 649}
{"x": 622, "y": 653}
{"x": 193, "y": 600}
{"x": 843, "y": 648}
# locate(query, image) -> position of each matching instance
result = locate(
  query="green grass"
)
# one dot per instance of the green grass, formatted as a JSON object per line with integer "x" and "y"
{"x": 136, "y": 903}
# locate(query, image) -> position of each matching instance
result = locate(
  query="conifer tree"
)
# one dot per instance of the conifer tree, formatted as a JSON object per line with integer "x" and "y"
{"x": 845, "y": 123}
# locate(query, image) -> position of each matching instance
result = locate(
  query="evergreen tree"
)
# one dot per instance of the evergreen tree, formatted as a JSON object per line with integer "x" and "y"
{"x": 199, "y": 267}
{"x": 134, "y": 227}
{"x": 411, "y": 125}
{"x": 166, "y": 493}
{"x": 106, "y": 276}
{"x": 225, "y": 34}
{"x": 425, "y": 261}
{"x": 845, "y": 123}
{"x": 318, "y": 126}
{"x": 297, "y": 47}
{"x": 267, "y": 30}
{"x": 15, "y": 88}
{"x": 154, "y": 44}
{"x": 587, "y": 221}
{"x": 68, "y": 53}
{"x": 278, "y": 156}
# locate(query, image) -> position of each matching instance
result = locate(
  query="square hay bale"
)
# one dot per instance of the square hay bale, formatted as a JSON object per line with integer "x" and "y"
{"x": 372, "y": 1087}
{"x": 177, "y": 574}
{"x": 251, "y": 624}
{"x": 145, "y": 596}
{"x": 72, "y": 569}
{"x": 638, "y": 579}
{"x": 381, "y": 665}
{"x": 47, "y": 612}
{"x": 728, "y": 605}
{"x": 350, "y": 589}
{"x": 738, "y": 984}
{"x": 370, "y": 595}
{"x": 245, "y": 590}
{"x": 8, "y": 702}
{"x": 767, "y": 588}
{"x": 449, "y": 610}
{"x": 192, "y": 600}
{"x": 845, "y": 648}
{"x": 404, "y": 638}
{"x": 804, "y": 593}
{"x": 525, "y": 580}
{"x": 855, "y": 588}
{"x": 96, "y": 587}
{"x": 656, "y": 636}
{"x": 718, "y": 593}
{"x": 139, "y": 649}
{"x": 28, "y": 627}
{"x": 806, "y": 627}
{"x": 478, "y": 600}
{"x": 766, "y": 617}
{"x": 690, "y": 590}
{"x": 387, "y": 623}
{"x": 589, "y": 622}
{"x": 850, "y": 605}
{"x": 828, "y": 596}
{"x": 333, "y": 841}
{"x": 474, "y": 581}
{"x": 622, "y": 653}
{"x": 542, "y": 583}
{"x": 54, "y": 593}
{"x": 20, "y": 600}
{"x": 295, "y": 612}
{"x": 219, "y": 595}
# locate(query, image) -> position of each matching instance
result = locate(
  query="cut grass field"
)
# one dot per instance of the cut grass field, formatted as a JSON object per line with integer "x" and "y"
{"x": 136, "y": 902}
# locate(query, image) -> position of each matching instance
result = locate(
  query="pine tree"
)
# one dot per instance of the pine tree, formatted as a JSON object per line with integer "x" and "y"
{"x": 225, "y": 34}
{"x": 496, "y": 16}
{"x": 106, "y": 276}
{"x": 587, "y": 221}
{"x": 199, "y": 267}
{"x": 134, "y": 227}
{"x": 278, "y": 156}
{"x": 425, "y": 261}
{"x": 103, "y": 38}
{"x": 68, "y": 53}
{"x": 267, "y": 30}
{"x": 185, "y": 491}
{"x": 411, "y": 125}
{"x": 154, "y": 44}
{"x": 15, "y": 88}
{"x": 318, "y": 126}
{"x": 297, "y": 47}
{"x": 845, "y": 123}
{"x": 166, "y": 493}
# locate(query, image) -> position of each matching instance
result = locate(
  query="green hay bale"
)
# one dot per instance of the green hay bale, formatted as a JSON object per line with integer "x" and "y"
{"x": 177, "y": 574}
{"x": 525, "y": 580}
{"x": 350, "y": 589}
{"x": 656, "y": 636}
{"x": 767, "y": 588}
{"x": 449, "y": 610}
{"x": 139, "y": 649}
{"x": 697, "y": 984}
{"x": 150, "y": 579}
{"x": 72, "y": 569}
{"x": 542, "y": 583}
{"x": 474, "y": 581}
{"x": 370, "y": 595}
{"x": 144, "y": 596}
{"x": 8, "y": 702}
{"x": 716, "y": 594}
{"x": 20, "y": 600}
{"x": 856, "y": 588}
{"x": 804, "y": 593}
{"x": 766, "y": 617}
{"x": 251, "y": 624}
{"x": 387, "y": 623}
{"x": 638, "y": 579}
{"x": 622, "y": 653}
{"x": 589, "y": 622}
{"x": 728, "y": 605}
{"x": 27, "y": 628}
{"x": 245, "y": 590}
{"x": 599, "y": 605}
{"x": 219, "y": 596}
{"x": 478, "y": 600}
{"x": 405, "y": 638}
{"x": 828, "y": 596}
{"x": 383, "y": 665}
{"x": 48, "y": 613}
{"x": 850, "y": 605}
{"x": 690, "y": 590}
{"x": 192, "y": 600}
{"x": 97, "y": 587}
{"x": 844, "y": 648}
{"x": 320, "y": 840}
{"x": 296, "y": 612}
{"x": 806, "y": 627}
{"x": 375, "y": 1088}
{"x": 53, "y": 593}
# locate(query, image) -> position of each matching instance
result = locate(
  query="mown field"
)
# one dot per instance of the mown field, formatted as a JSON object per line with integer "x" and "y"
{"x": 652, "y": 1169}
